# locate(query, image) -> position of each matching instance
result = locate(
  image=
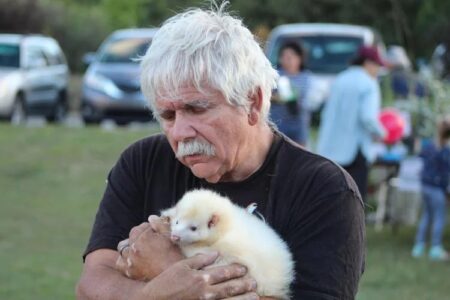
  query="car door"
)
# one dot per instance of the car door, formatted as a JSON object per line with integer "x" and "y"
{"x": 57, "y": 70}
{"x": 39, "y": 88}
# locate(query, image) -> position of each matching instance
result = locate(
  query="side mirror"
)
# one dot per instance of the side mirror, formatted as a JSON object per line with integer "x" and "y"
{"x": 89, "y": 58}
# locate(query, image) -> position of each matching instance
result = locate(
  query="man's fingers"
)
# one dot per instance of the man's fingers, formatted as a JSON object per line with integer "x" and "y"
{"x": 235, "y": 287}
{"x": 223, "y": 273}
{"x": 121, "y": 265}
{"x": 125, "y": 265}
{"x": 200, "y": 261}
{"x": 159, "y": 225}
{"x": 248, "y": 296}
{"x": 137, "y": 231}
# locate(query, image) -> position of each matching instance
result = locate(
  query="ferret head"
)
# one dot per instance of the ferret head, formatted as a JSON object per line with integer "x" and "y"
{"x": 201, "y": 216}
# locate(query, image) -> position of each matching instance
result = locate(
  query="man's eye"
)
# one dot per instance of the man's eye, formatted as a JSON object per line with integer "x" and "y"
{"x": 193, "y": 228}
{"x": 195, "y": 109}
{"x": 168, "y": 115}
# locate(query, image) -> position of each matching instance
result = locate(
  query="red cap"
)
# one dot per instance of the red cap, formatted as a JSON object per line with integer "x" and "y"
{"x": 370, "y": 53}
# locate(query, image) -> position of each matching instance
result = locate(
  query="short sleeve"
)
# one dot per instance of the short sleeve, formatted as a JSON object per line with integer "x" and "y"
{"x": 328, "y": 243}
{"x": 121, "y": 207}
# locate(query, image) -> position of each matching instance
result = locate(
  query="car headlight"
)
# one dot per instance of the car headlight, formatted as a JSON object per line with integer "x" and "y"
{"x": 103, "y": 84}
{"x": 4, "y": 90}
{"x": 9, "y": 85}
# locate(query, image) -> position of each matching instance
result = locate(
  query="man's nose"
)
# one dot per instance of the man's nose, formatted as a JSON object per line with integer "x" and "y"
{"x": 182, "y": 128}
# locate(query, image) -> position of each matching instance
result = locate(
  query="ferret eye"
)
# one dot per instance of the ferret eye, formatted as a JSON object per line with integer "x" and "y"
{"x": 176, "y": 222}
{"x": 193, "y": 228}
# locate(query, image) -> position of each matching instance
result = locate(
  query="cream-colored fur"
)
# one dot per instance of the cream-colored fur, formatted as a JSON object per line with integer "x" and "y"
{"x": 237, "y": 235}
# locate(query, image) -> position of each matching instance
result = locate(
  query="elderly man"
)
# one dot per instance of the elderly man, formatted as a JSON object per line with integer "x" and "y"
{"x": 209, "y": 85}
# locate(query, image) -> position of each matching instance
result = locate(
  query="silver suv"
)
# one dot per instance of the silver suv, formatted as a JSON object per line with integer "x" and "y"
{"x": 33, "y": 78}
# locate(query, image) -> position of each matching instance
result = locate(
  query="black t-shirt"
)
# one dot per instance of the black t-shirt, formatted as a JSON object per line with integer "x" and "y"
{"x": 311, "y": 202}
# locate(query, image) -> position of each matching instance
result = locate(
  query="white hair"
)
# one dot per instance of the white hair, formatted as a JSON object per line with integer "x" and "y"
{"x": 207, "y": 48}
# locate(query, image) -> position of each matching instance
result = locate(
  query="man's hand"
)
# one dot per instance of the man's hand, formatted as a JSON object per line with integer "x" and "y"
{"x": 151, "y": 256}
{"x": 188, "y": 280}
{"x": 150, "y": 250}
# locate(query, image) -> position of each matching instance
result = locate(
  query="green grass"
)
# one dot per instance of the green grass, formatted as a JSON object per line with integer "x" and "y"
{"x": 51, "y": 181}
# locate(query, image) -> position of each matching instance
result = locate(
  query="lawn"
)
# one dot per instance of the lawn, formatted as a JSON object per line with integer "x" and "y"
{"x": 51, "y": 181}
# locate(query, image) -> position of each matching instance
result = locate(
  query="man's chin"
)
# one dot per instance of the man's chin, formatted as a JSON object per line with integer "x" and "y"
{"x": 206, "y": 172}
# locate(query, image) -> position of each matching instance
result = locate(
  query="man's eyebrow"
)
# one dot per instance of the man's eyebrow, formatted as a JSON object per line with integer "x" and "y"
{"x": 199, "y": 103}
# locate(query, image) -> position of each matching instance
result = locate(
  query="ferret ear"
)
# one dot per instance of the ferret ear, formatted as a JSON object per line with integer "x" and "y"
{"x": 168, "y": 213}
{"x": 213, "y": 220}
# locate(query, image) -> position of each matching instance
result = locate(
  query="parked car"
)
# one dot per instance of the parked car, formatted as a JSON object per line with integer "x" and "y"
{"x": 111, "y": 86}
{"x": 329, "y": 49}
{"x": 34, "y": 77}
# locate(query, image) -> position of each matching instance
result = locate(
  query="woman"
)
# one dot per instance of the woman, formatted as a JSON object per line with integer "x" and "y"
{"x": 289, "y": 110}
{"x": 435, "y": 179}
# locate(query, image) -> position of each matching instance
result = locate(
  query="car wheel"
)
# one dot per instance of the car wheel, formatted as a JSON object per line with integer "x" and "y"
{"x": 19, "y": 112}
{"x": 90, "y": 114}
{"x": 59, "y": 112}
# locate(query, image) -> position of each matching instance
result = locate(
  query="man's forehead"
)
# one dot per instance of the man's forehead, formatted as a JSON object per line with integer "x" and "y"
{"x": 182, "y": 103}
{"x": 187, "y": 96}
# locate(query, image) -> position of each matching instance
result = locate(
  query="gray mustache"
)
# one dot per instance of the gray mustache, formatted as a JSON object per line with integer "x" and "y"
{"x": 194, "y": 147}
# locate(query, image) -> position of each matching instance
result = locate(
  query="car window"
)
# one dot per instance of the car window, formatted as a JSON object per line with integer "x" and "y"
{"x": 328, "y": 54}
{"x": 9, "y": 56}
{"x": 54, "y": 54}
{"x": 35, "y": 55}
{"x": 124, "y": 50}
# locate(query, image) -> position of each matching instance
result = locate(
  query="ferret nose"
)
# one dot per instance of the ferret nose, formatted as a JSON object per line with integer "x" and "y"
{"x": 175, "y": 238}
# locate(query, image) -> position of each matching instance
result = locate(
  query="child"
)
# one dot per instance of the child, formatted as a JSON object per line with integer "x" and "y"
{"x": 435, "y": 178}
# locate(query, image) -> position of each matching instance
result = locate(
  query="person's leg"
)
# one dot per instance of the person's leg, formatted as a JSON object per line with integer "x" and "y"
{"x": 439, "y": 214}
{"x": 359, "y": 170}
{"x": 420, "y": 243}
{"x": 438, "y": 203}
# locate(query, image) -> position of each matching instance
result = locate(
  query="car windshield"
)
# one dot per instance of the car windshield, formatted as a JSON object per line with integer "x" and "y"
{"x": 327, "y": 54}
{"x": 9, "y": 55}
{"x": 124, "y": 50}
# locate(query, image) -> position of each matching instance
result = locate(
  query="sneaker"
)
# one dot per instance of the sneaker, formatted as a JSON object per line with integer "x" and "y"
{"x": 437, "y": 253}
{"x": 418, "y": 250}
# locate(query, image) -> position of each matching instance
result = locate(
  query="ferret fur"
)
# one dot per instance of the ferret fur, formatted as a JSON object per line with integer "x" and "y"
{"x": 203, "y": 221}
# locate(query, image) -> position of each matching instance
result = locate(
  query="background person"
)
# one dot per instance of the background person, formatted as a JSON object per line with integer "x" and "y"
{"x": 349, "y": 121}
{"x": 292, "y": 116}
{"x": 435, "y": 179}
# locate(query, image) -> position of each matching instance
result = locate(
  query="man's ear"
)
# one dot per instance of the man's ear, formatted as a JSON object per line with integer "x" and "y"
{"x": 213, "y": 221}
{"x": 255, "y": 109}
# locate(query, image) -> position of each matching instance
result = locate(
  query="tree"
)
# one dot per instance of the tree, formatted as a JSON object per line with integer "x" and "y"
{"x": 21, "y": 16}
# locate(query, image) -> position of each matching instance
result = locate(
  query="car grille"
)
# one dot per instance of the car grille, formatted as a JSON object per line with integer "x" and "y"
{"x": 128, "y": 88}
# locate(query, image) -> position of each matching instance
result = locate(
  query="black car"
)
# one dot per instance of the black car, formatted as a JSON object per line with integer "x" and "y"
{"x": 111, "y": 86}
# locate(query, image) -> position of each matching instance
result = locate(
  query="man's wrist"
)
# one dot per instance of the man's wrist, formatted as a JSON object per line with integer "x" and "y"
{"x": 142, "y": 291}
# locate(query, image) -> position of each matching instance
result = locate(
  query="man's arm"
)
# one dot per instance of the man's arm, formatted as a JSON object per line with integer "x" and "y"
{"x": 101, "y": 280}
{"x": 152, "y": 256}
{"x": 186, "y": 279}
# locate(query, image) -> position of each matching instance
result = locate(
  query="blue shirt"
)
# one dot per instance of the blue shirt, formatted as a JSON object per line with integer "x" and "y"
{"x": 296, "y": 126}
{"x": 436, "y": 165}
{"x": 349, "y": 120}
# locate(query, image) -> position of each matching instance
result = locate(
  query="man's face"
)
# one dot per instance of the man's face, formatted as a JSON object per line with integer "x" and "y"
{"x": 205, "y": 132}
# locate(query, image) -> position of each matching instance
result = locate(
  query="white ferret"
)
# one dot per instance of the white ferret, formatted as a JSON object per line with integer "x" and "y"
{"x": 204, "y": 221}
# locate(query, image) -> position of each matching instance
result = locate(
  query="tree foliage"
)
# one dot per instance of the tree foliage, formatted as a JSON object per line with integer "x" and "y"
{"x": 80, "y": 25}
